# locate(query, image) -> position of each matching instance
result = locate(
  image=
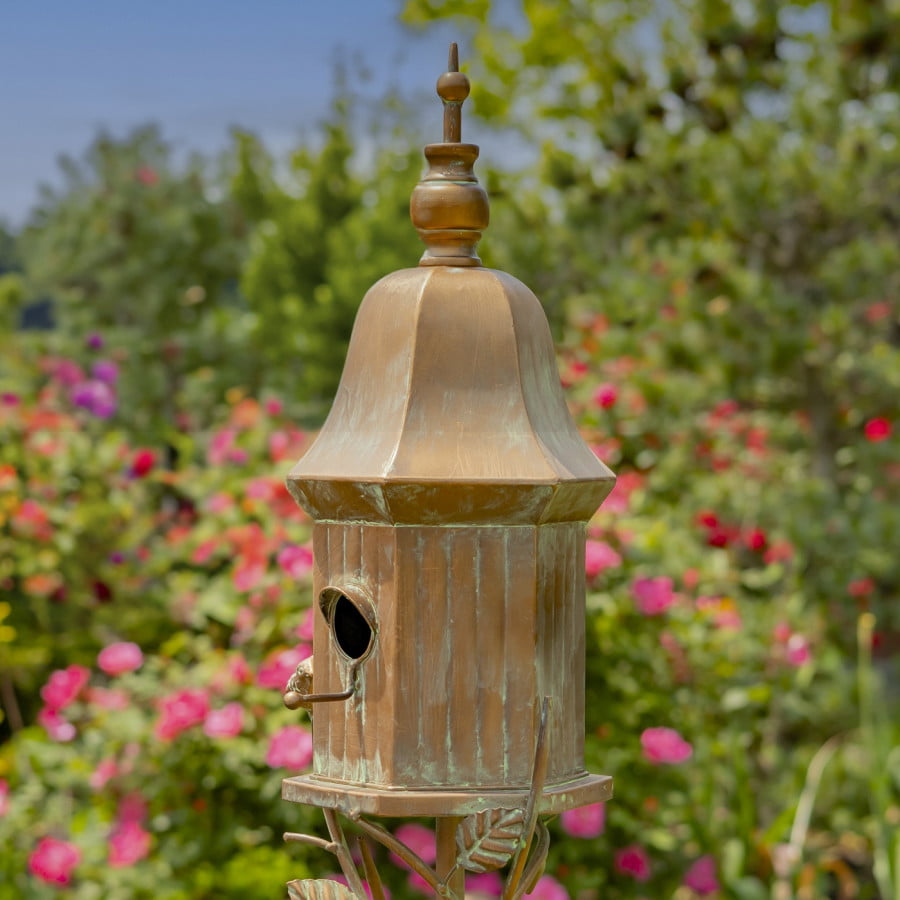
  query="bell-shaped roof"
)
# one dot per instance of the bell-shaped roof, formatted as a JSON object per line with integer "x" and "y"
{"x": 450, "y": 408}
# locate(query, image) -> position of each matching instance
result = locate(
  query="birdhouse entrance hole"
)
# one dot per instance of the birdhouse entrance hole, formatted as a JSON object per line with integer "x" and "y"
{"x": 351, "y": 626}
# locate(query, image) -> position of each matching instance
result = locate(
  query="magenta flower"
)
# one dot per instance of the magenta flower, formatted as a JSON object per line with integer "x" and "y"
{"x": 797, "y": 651}
{"x": 653, "y": 596}
{"x": 296, "y": 561}
{"x": 307, "y": 624}
{"x": 290, "y": 748}
{"x": 585, "y": 821}
{"x": 53, "y": 861}
{"x": 606, "y": 395}
{"x": 665, "y": 745}
{"x": 97, "y": 397}
{"x": 111, "y": 699}
{"x": 180, "y": 711}
{"x": 419, "y": 839}
{"x": 548, "y": 888}
{"x": 64, "y": 686}
{"x": 598, "y": 557}
{"x": 105, "y": 370}
{"x": 119, "y": 658}
{"x": 633, "y": 860}
{"x": 280, "y": 665}
{"x": 4, "y": 797}
{"x": 132, "y": 808}
{"x": 226, "y": 722}
{"x": 701, "y": 876}
{"x": 128, "y": 844}
{"x": 94, "y": 341}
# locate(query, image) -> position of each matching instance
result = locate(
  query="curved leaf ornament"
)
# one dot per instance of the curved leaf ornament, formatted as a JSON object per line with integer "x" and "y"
{"x": 488, "y": 840}
{"x": 318, "y": 889}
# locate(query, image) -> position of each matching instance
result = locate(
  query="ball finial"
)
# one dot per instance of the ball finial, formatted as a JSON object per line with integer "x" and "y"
{"x": 453, "y": 88}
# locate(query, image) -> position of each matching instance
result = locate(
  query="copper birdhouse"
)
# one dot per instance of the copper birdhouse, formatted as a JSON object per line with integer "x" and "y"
{"x": 450, "y": 491}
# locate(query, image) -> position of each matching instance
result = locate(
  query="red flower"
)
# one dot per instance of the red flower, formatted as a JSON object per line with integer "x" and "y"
{"x": 708, "y": 519}
{"x": 633, "y": 860}
{"x": 419, "y": 839}
{"x": 877, "y": 430}
{"x": 756, "y": 540}
{"x": 143, "y": 462}
{"x": 862, "y": 587}
{"x": 665, "y": 745}
{"x": 53, "y": 861}
{"x": 280, "y": 665}
{"x": 296, "y": 561}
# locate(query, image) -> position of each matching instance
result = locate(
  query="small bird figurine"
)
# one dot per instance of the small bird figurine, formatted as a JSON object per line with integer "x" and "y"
{"x": 299, "y": 685}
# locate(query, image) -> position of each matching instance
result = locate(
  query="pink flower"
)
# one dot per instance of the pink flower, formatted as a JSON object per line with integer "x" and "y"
{"x": 665, "y": 745}
{"x": 598, "y": 557}
{"x": 132, "y": 808}
{"x": 606, "y": 395}
{"x": 633, "y": 860}
{"x": 548, "y": 888}
{"x": 57, "y": 728}
{"x": 877, "y": 430}
{"x": 307, "y": 625}
{"x": 419, "y": 839}
{"x": 296, "y": 561}
{"x": 291, "y": 748}
{"x": 280, "y": 665}
{"x": 97, "y": 397}
{"x": 180, "y": 711}
{"x": 701, "y": 876}
{"x": 4, "y": 797}
{"x": 798, "y": 652}
{"x": 781, "y": 633}
{"x": 147, "y": 176}
{"x": 64, "y": 685}
{"x": 101, "y": 775}
{"x": 249, "y": 573}
{"x": 108, "y": 698}
{"x": 584, "y": 822}
{"x": 128, "y": 844}
{"x": 485, "y": 884}
{"x": 105, "y": 370}
{"x": 653, "y": 596}
{"x": 53, "y": 861}
{"x": 225, "y": 722}
{"x": 119, "y": 658}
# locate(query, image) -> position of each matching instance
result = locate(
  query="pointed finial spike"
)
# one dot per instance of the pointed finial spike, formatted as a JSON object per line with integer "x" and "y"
{"x": 453, "y": 88}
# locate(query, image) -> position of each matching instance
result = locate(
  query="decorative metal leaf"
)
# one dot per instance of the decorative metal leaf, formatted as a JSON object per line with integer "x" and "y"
{"x": 488, "y": 840}
{"x": 318, "y": 889}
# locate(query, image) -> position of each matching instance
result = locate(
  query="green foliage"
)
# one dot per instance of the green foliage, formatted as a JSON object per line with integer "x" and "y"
{"x": 711, "y": 222}
{"x": 324, "y": 236}
{"x": 138, "y": 248}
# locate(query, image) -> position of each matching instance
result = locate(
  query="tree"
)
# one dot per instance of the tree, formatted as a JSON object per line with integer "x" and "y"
{"x": 141, "y": 253}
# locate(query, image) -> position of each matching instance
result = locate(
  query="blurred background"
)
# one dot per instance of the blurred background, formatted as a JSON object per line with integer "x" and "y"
{"x": 705, "y": 194}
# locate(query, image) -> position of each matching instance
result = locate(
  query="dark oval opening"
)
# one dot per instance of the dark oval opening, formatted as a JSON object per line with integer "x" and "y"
{"x": 351, "y": 629}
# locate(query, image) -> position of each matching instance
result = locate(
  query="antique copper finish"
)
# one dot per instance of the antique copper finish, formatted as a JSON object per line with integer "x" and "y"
{"x": 449, "y": 489}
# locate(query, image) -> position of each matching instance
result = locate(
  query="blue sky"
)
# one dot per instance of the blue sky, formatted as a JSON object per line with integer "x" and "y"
{"x": 195, "y": 66}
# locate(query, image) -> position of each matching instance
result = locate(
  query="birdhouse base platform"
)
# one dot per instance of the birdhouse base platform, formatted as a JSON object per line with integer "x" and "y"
{"x": 354, "y": 799}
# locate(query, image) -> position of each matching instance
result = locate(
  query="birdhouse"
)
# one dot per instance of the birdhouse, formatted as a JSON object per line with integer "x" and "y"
{"x": 450, "y": 491}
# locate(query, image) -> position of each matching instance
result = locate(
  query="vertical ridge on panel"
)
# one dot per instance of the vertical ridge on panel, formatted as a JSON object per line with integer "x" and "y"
{"x": 492, "y": 652}
{"x": 521, "y": 693}
{"x": 354, "y": 746}
{"x": 462, "y": 602}
{"x": 579, "y": 625}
